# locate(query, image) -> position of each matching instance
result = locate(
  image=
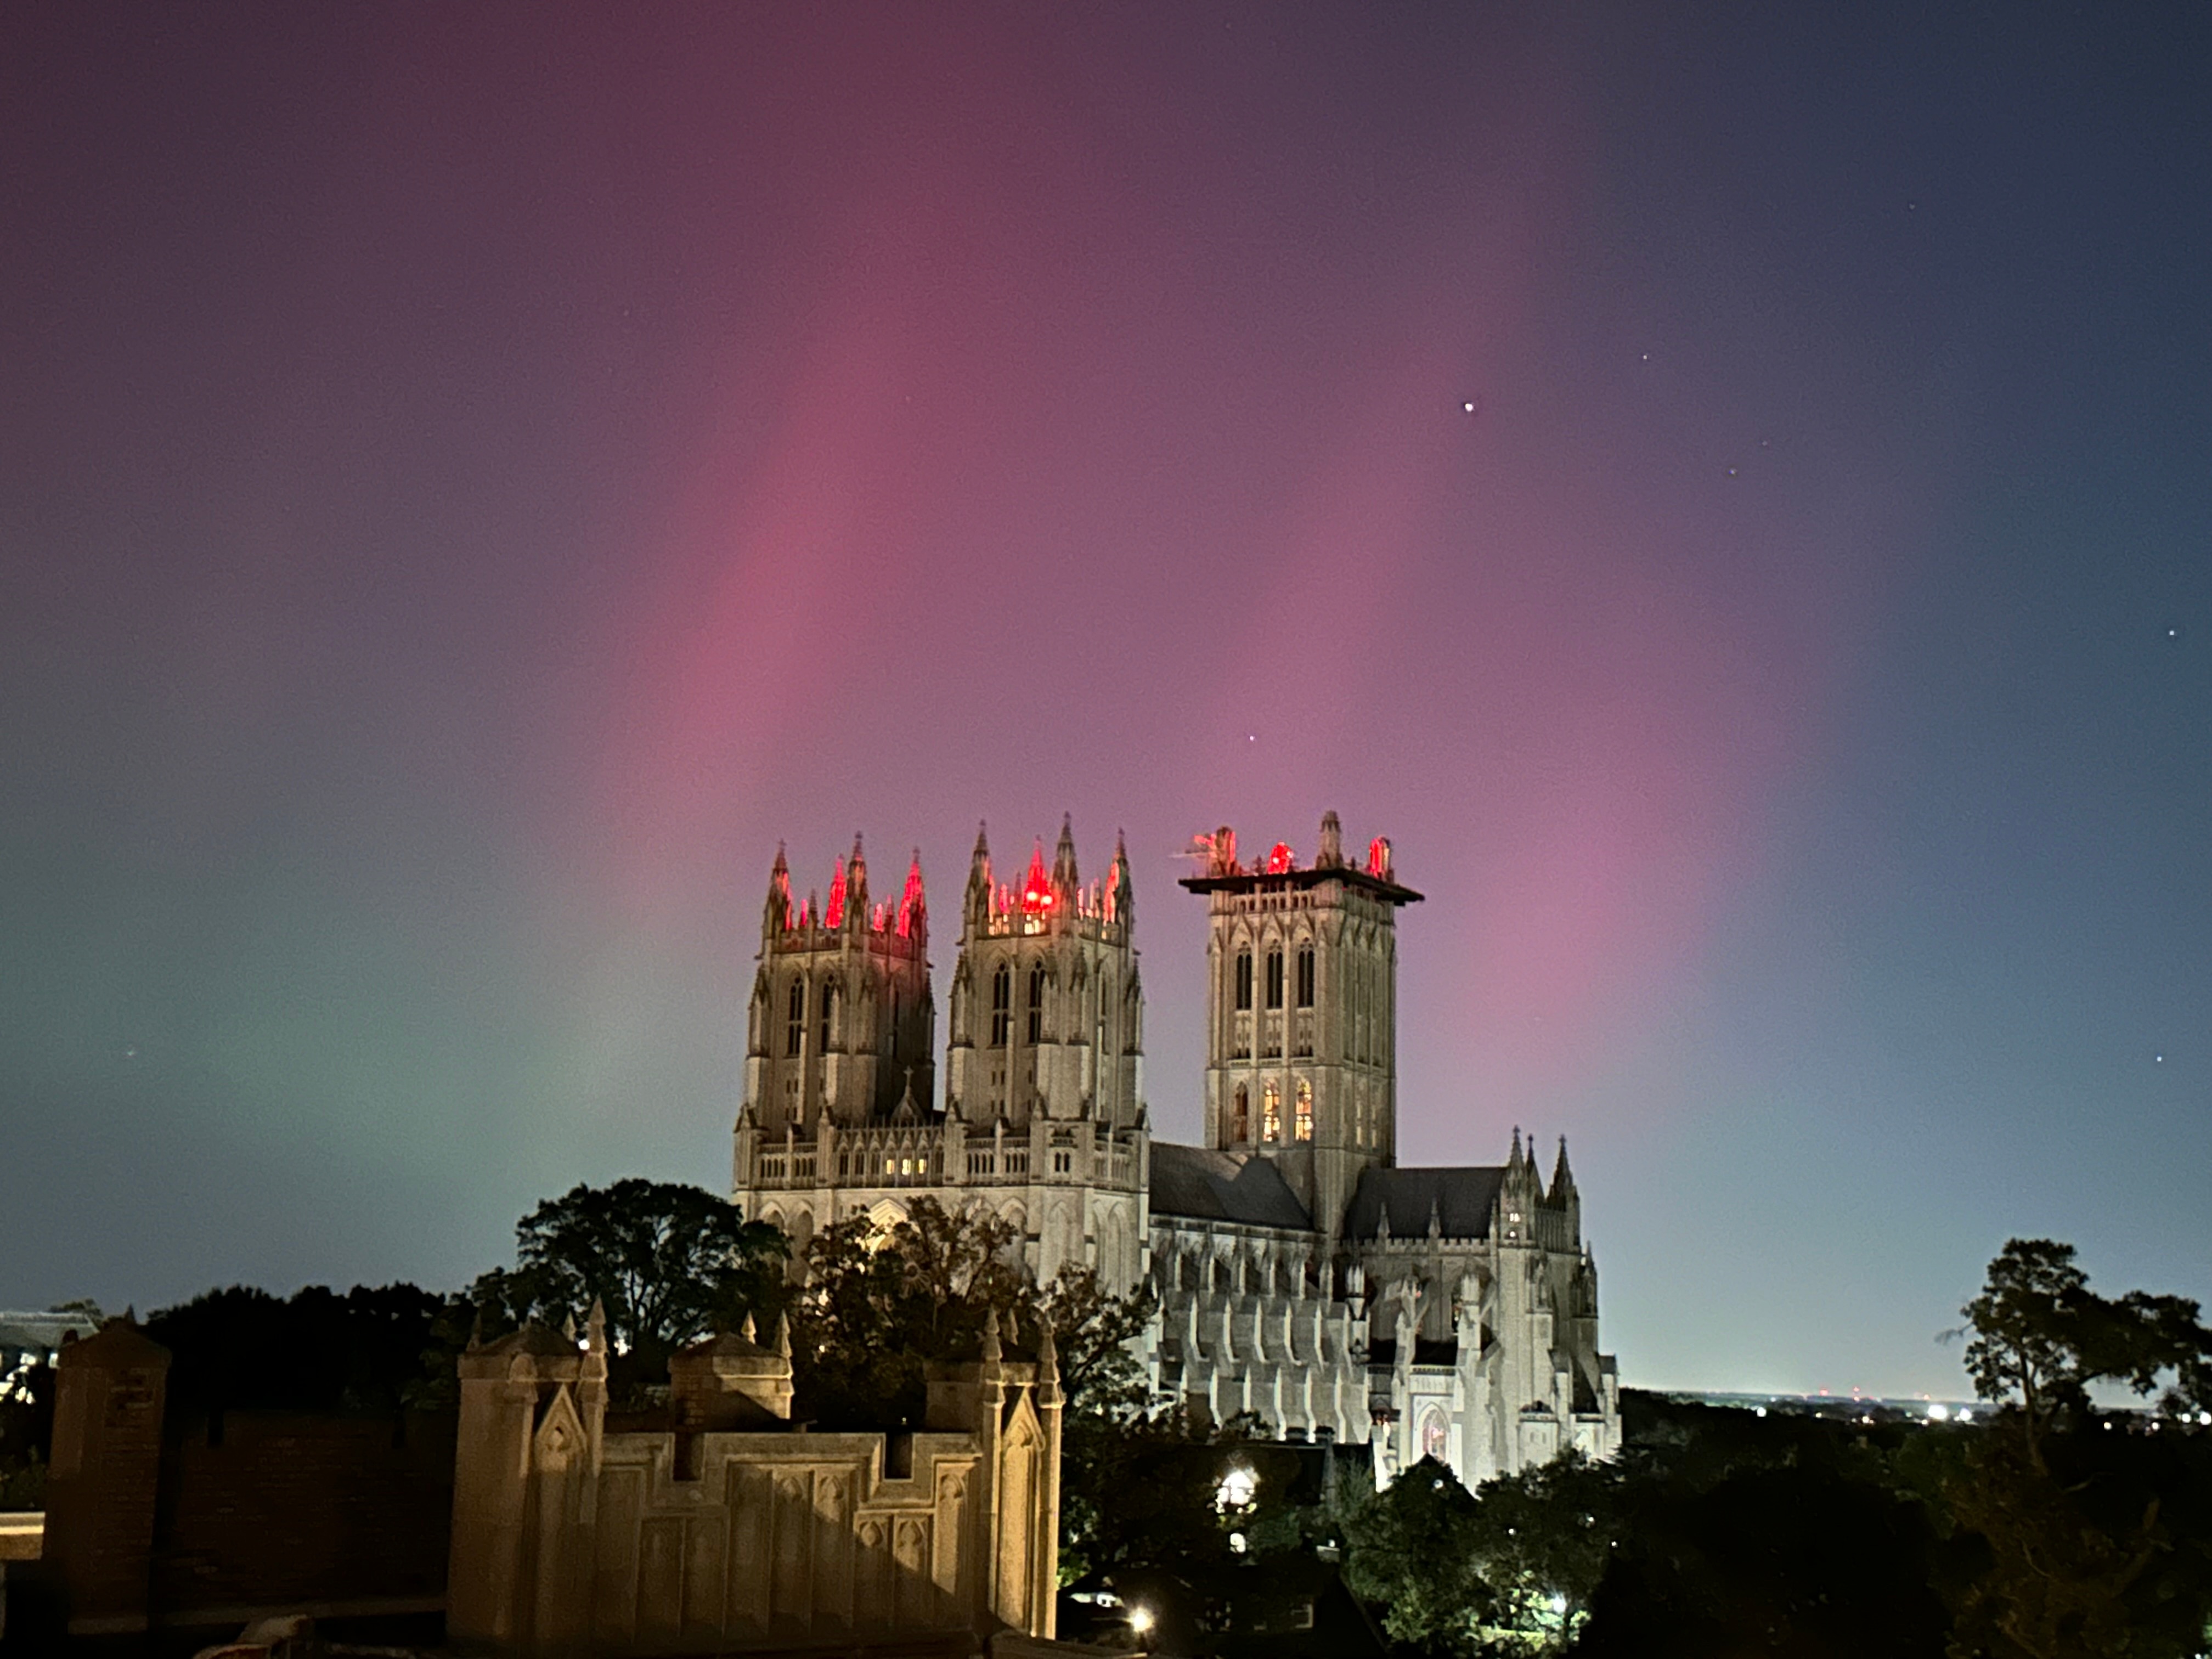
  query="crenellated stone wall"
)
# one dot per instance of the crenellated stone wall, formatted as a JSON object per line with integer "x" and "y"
{"x": 737, "y": 1529}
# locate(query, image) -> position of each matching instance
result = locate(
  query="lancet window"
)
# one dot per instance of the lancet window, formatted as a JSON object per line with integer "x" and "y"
{"x": 1002, "y": 1000}
{"x": 794, "y": 1029}
{"x": 1271, "y": 1111}
{"x": 1301, "y": 1125}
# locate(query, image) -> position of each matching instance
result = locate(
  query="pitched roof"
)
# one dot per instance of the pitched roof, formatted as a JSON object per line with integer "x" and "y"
{"x": 1216, "y": 1186}
{"x": 1460, "y": 1198}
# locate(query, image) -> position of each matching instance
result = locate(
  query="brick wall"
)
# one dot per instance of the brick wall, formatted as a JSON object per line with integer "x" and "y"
{"x": 268, "y": 1509}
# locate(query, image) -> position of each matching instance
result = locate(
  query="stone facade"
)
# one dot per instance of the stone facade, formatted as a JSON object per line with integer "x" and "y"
{"x": 1302, "y": 1275}
{"x": 727, "y": 1531}
{"x": 1042, "y": 1121}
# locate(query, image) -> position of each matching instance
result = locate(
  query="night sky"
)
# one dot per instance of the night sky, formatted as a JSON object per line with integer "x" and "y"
{"x": 471, "y": 482}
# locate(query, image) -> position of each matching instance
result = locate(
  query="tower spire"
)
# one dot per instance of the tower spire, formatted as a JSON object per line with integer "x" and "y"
{"x": 1064, "y": 878}
{"x": 775, "y": 915}
{"x": 1331, "y": 856}
{"x": 914, "y": 908}
{"x": 977, "y": 901}
{"x": 856, "y": 886}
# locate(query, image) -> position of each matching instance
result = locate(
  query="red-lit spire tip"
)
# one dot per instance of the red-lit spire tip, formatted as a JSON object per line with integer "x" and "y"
{"x": 912, "y": 905}
{"x": 834, "y": 916}
{"x": 1036, "y": 886}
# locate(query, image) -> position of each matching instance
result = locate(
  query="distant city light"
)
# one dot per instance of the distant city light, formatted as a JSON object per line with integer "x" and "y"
{"x": 1939, "y": 1413}
{"x": 1140, "y": 1620}
{"x": 1237, "y": 1489}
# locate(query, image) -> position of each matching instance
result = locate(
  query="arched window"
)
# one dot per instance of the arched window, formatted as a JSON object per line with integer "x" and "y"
{"x": 794, "y": 1029}
{"x": 1240, "y": 1122}
{"x": 1305, "y": 976}
{"x": 828, "y": 1007}
{"x": 1274, "y": 979}
{"x": 1244, "y": 981}
{"x": 1002, "y": 1002}
{"x": 1036, "y": 1005}
{"x": 1271, "y": 1111}
{"x": 1301, "y": 1125}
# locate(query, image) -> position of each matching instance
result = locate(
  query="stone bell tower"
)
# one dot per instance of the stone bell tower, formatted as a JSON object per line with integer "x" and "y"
{"x": 841, "y": 1024}
{"x": 1048, "y": 1009}
{"x": 1301, "y": 965}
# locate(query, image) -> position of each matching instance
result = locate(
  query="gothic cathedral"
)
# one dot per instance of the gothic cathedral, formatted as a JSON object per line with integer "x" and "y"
{"x": 1303, "y": 1274}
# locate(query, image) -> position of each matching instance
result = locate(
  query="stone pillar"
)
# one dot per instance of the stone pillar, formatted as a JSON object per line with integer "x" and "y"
{"x": 1049, "y": 1403}
{"x": 101, "y": 1485}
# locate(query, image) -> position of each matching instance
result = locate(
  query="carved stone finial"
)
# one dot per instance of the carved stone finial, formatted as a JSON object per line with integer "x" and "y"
{"x": 1047, "y": 1355}
{"x": 750, "y": 1331}
{"x": 783, "y": 1336}
{"x": 568, "y": 1328}
{"x": 992, "y": 1351}
{"x": 595, "y": 1326}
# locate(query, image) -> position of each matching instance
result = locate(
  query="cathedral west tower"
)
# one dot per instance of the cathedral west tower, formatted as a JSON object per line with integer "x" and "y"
{"x": 841, "y": 1023}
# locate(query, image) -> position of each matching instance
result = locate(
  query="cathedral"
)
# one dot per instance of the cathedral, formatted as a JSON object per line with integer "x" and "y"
{"x": 1302, "y": 1275}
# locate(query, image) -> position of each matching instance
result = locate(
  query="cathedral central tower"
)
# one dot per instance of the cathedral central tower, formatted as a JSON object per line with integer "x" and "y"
{"x": 1302, "y": 991}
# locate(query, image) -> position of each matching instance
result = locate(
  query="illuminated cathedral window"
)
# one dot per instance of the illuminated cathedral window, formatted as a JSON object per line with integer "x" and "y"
{"x": 1036, "y": 1005}
{"x": 1240, "y": 1121}
{"x": 794, "y": 1030}
{"x": 1244, "y": 981}
{"x": 1274, "y": 979}
{"x": 1002, "y": 1002}
{"x": 1305, "y": 976}
{"x": 1301, "y": 1126}
{"x": 1271, "y": 1112}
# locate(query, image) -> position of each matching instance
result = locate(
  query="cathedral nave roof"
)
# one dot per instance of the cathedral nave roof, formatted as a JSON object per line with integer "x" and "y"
{"x": 1218, "y": 1186}
{"x": 1461, "y": 1198}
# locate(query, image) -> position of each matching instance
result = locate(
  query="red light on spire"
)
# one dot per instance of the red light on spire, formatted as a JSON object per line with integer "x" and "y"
{"x": 835, "y": 915}
{"x": 911, "y": 901}
{"x": 1378, "y": 857}
{"x": 1279, "y": 860}
{"x": 1036, "y": 886}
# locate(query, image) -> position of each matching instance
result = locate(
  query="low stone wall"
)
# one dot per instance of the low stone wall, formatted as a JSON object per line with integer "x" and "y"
{"x": 152, "y": 1521}
{"x": 286, "y": 1509}
{"x": 21, "y": 1536}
